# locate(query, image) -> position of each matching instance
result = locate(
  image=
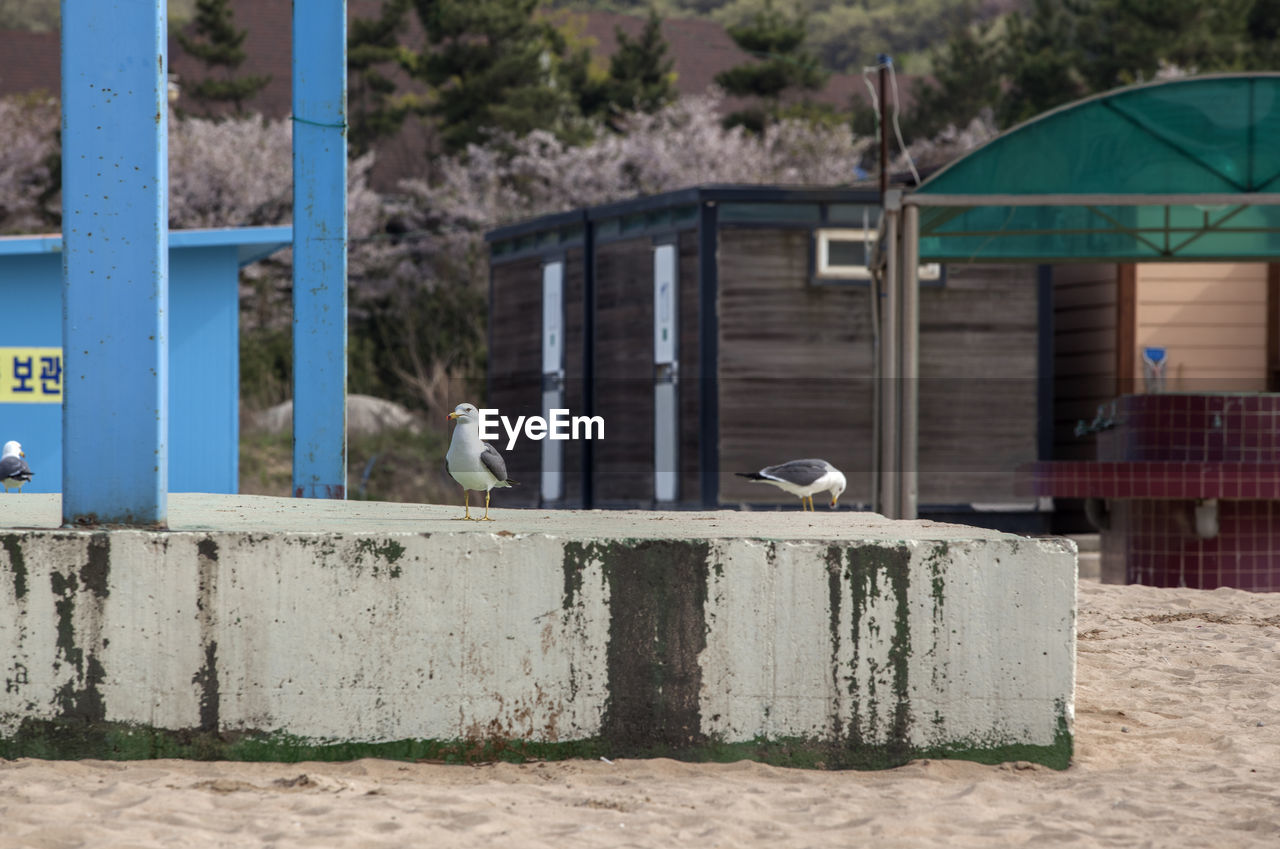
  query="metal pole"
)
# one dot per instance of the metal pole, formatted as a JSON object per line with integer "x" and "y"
{"x": 889, "y": 362}
{"x": 319, "y": 248}
{"x": 909, "y": 364}
{"x": 115, "y": 263}
{"x": 884, "y": 128}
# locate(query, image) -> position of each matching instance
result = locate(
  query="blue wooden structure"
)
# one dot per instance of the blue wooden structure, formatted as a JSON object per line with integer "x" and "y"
{"x": 320, "y": 249}
{"x": 117, "y": 328}
{"x": 115, "y": 221}
{"x": 203, "y": 354}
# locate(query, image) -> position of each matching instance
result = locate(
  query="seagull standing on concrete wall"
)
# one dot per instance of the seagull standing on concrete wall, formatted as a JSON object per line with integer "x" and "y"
{"x": 14, "y": 470}
{"x": 472, "y": 463}
{"x": 803, "y": 478}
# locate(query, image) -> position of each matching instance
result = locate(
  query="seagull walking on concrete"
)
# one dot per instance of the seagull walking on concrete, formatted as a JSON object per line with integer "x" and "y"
{"x": 472, "y": 463}
{"x": 803, "y": 478}
{"x": 14, "y": 470}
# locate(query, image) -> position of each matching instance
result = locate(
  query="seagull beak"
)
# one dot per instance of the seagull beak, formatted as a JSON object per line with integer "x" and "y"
{"x": 22, "y": 453}
{"x": 451, "y": 416}
{"x": 834, "y": 499}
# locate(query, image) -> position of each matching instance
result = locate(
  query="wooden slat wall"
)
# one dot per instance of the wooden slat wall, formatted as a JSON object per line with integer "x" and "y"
{"x": 515, "y": 369}
{"x": 1211, "y": 318}
{"x": 978, "y": 383}
{"x": 690, "y": 369}
{"x": 623, "y": 460}
{"x": 574, "y": 281}
{"x": 1084, "y": 351}
{"x": 795, "y": 366}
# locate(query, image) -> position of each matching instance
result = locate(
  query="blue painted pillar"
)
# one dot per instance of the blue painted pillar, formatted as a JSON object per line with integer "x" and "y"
{"x": 115, "y": 230}
{"x": 319, "y": 248}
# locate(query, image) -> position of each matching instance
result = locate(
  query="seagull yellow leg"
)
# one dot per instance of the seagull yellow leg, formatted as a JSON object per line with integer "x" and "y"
{"x": 466, "y": 503}
{"x": 486, "y": 507}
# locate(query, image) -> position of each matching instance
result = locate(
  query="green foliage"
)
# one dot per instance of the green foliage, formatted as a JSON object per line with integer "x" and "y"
{"x": 785, "y": 65}
{"x": 404, "y": 343}
{"x": 220, "y": 47}
{"x": 1262, "y": 28}
{"x": 640, "y": 72}
{"x": 266, "y": 366}
{"x": 491, "y": 67}
{"x": 375, "y": 106}
{"x": 1061, "y": 50}
{"x": 966, "y": 79}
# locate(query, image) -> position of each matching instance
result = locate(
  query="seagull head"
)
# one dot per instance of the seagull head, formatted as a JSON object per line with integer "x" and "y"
{"x": 12, "y": 448}
{"x": 837, "y": 487}
{"x": 464, "y": 412}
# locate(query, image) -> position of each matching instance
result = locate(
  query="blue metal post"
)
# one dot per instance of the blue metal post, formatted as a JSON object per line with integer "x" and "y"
{"x": 319, "y": 248}
{"x": 115, "y": 209}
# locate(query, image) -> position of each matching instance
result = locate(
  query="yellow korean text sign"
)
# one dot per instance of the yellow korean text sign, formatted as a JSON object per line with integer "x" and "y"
{"x": 30, "y": 375}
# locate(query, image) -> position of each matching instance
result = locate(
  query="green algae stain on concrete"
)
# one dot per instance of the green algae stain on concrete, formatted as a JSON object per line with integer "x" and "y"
{"x": 17, "y": 564}
{"x": 389, "y": 551}
{"x": 96, "y": 572}
{"x": 70, "y": 740}
{"x": 577, "y": 556}
{"x": 873, "y": 569}
{"x": 657, "y": 630}
{"x": 835, "y": 581}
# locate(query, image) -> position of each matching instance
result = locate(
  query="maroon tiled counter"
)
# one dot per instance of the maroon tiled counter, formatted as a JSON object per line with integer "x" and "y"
{"x": 1192, "y": 489}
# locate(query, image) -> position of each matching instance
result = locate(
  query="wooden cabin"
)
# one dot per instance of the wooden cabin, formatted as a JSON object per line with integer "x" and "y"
{"x": 719, "y": 329}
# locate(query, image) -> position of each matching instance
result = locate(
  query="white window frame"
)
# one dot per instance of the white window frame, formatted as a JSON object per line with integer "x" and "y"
{"x": 825, "y": 270}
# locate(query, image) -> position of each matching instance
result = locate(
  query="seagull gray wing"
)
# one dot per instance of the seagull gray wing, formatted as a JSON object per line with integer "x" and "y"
{"x": 493, "y": 462}
{"x": 15, "y": 468}
{"x": 797, "y": 472}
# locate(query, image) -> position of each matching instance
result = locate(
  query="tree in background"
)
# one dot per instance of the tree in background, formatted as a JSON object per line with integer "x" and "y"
{"x": 784, "y": 65}
{"x": 1128, "y": 41}
{"x": 1262, "y": 25}
{"x": 219, "y": 45}
{"x": 492, "y": 67}
{"x": 1042, "y": 62}
{"x": 966, "y": 80}
{"x": 375, "y": 105}
{"x": 640, "y": 72}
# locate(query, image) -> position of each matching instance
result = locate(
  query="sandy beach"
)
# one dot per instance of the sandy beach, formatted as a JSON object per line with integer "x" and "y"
{"x": 1177, "y": 744}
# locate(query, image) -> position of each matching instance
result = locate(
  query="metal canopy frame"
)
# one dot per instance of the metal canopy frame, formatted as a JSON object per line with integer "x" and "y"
{"x": 1157, "y": 221}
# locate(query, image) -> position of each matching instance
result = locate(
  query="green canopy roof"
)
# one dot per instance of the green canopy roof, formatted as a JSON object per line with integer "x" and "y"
{"x": 1179, "y": 170}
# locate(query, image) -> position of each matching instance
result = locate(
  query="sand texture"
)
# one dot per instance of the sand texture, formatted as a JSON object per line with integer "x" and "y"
{"x": 1177, "y": 744}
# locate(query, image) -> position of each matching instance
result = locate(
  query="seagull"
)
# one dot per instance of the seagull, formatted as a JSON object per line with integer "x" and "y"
{"x": 14, "y": 471}
{"x": 802, "y": 478}
{"x": 472, "y": 463}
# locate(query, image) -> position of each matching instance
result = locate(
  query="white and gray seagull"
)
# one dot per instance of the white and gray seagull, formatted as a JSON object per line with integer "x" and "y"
{"x": 802, "y": 478}
{"x": 473, "y": 464}
{"x": 14, "y": 470}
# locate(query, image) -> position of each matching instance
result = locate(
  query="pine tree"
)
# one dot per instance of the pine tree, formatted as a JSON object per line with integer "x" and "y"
{"x": 492, "y": 66}
{"x": 640, "y": 72}
{"x": 376, "y": 107}
{"x": 219, "y": 45}
{"x": 785, "y": 64}
{"x": 966, "y": 79}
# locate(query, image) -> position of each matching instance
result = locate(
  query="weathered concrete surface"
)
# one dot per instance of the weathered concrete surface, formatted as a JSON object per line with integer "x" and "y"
{"x": 279, "y": 628}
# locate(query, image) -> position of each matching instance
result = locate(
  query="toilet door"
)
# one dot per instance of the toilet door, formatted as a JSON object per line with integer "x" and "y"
{"x": 552, "y": 376}
{"x": 665, "y": 375}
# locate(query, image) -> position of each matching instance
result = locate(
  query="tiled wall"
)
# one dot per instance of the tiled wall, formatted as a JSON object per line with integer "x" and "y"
{"x": 1164, "y": 454}
{"x": 1159, "y": 546}
{"x": 1227, "y": 427}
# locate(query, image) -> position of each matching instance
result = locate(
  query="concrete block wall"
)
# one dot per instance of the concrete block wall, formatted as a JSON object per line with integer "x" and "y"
{"x": 285, "y": 646}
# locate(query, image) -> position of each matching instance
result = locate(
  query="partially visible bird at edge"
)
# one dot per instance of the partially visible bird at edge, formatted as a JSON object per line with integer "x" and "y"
{"x": 803, "y": 478}
{"x": 472, "y": 463}
{"x": 14, "y": 470}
